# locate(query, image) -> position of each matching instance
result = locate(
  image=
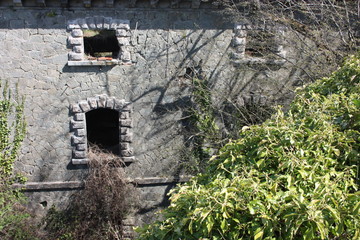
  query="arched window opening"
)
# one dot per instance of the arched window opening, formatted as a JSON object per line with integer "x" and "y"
{"x": 103, "y": 129}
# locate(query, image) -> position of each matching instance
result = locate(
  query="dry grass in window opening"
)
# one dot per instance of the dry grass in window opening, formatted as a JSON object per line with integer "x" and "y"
{"x": 101, "y": 44}
{"x": 97, "y": 211}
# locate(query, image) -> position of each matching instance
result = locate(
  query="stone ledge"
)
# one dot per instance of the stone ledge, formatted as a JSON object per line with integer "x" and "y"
{"x": 70, "y": 185}
{"x": 80, "y": 161}
{"x": 257, "y": 61}
{"x": 95, "y": 63}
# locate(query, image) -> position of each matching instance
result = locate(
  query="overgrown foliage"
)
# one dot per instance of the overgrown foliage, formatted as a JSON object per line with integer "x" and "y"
{"x": 97, "y": 211}
{"x": 12, "y": 133}
{"x": 320, "y": 32}
{"x": 210, "y": 125}
{"x": 296, "y": 176}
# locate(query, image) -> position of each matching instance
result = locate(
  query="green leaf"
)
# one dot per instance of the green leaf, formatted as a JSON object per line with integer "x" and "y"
{"x": 259, "y": 234}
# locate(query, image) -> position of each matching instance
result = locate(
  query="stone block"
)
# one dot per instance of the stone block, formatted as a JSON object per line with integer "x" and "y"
{"x": 92, "y": 103}
{"x": 82, "y": 23}
{"x": 78, "y": 49}
{"x": 240, "y": 33}
{"x": 75, "y": 40}
{"x": 79, "y": 154}
{"x": 124, "y": 115}
{"x": 119, "y": 24}
{"x": 128, "y": 221}
{"x": 118, "y": 104}
{"x": 127, "y": 107}
{"x": 99, "y": 21}
{"x": 77, "y": 124}
{"x": 110, "y": 103}
{"x": 128, "y": 159}
{"x": 102, "y": 101}
{"x": 121, "y": 33}
{"x": 77, "y": 33}
{"x": 78, "y": 140}
{"x": 80, "y": 132}
{"x": 237, "y": 41}
{"x": 75, "y": 108}
{"x": 126, "y": 56}
{"x": 107, "y": 22}
{"x": 124, "y": 130}
{"x": 72, "y": 56}
{"x": 91, "y": 22}
{"x": 81, "y": 147}
{"x": 84, "y": 106}
{"x": 127, "y": 153}
{"x": 126, "y": 123}
{"x": 123, "y": 41}
{"x": 126, "y": 138}
{"x": 73, "y": 24}
{"x": 124, "y": 146}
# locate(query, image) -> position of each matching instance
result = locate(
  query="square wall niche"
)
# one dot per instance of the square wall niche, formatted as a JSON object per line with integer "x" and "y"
{"x": 259, "y": 44}
{"x": 99, "y": 41}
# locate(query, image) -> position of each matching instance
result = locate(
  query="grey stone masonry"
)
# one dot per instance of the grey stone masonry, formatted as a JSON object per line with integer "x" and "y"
{"x": 240, "y": 42}
{"x": 88, "y": 4}
{"x": 78, "y": 126}
{"x": 76, "y": 41}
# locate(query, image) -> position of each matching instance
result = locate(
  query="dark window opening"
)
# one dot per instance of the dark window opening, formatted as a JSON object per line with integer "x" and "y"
{"x": 260, "y": 44}
{"x": 101, "y": 44}
{"x": 103, "y": 129}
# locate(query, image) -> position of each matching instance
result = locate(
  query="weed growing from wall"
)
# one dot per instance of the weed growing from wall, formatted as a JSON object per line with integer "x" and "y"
{"x": 97, "y": 211}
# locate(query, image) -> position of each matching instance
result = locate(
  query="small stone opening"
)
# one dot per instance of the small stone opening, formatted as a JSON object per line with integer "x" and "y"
{"x": 101, "y": 44}
{"x": 103, "y": 129}
{"x": 260, "y": 44}
{"x": 44, "y": 204}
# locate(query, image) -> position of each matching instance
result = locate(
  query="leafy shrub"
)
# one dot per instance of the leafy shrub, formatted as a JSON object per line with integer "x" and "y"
{"x": 296, "y": 176}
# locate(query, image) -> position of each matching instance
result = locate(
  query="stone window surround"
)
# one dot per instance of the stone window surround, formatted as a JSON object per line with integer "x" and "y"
{"x": 76, "y": 41}
{"x": 78, "y": 126}
{"x": 239, "y": 43}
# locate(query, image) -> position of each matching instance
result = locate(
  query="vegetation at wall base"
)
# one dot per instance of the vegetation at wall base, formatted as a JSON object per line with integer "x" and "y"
{"x": 296, "y": 176}
{"x": 97, "y": 211}
{"x": 12, "y": 132}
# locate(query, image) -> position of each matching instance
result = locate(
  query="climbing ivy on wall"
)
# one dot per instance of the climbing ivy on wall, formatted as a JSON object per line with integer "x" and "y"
{"x": 12, "y": 131}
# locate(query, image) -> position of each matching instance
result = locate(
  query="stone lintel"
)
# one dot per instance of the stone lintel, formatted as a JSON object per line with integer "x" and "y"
{"x": 94, "y": 63}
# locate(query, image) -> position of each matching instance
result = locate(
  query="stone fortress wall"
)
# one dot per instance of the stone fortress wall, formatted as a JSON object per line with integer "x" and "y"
{"x": 42, "y": 50}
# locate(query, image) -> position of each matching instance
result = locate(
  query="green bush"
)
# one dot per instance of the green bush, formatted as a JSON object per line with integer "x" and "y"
{"x": 296, "y": 176}
{"x": 12, "y": 132}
